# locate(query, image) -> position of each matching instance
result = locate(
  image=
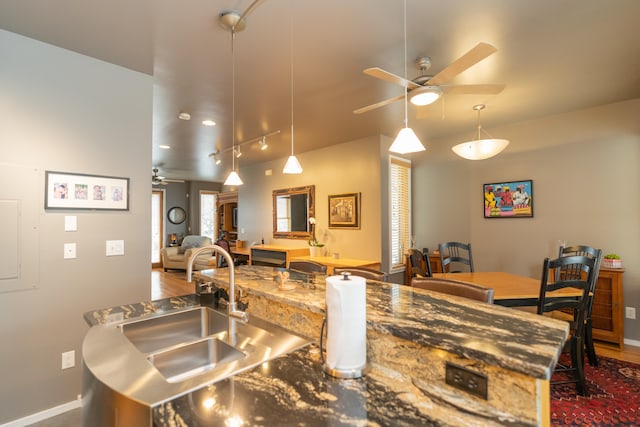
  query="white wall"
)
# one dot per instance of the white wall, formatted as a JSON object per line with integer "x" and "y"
{"x": 344, "y": 168}
{"x": 63, "y": 111}
{"x": 586, "y": 190}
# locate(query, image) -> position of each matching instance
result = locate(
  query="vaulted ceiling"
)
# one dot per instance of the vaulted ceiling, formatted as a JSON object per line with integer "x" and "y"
{"x": 553, "y": 56}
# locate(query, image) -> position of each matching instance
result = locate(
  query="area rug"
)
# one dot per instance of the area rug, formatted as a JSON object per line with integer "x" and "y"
{"x": 612, "y": 397}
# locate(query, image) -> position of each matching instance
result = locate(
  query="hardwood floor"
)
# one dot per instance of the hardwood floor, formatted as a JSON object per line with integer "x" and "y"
{"x": 173, "y": 283}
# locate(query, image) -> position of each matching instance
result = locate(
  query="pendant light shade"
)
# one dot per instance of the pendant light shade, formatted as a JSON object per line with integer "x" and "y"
{"x": 233, "y": 179}
{"x": 407, "y": 141}
{"x": 292, "y": 166}
{"x": 480, "y": 149}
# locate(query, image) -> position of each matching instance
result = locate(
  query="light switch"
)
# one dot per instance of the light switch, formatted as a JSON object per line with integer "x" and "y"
{"x": 115, "y": 247}
{"x": 69, "y": 250}
{"x": 70, "y": 223}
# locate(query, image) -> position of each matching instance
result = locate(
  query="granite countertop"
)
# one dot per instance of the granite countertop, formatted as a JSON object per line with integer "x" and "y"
{"x": 293, "y": 390}
{"x": 513, "y": 339}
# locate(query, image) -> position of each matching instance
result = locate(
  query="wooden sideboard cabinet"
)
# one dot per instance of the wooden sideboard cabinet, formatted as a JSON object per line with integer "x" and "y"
{"x": 607, "y": 312}
{"x": 275, "y": 256}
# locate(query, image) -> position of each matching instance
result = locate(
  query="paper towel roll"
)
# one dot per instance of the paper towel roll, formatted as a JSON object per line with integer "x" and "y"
{"x": 346, "y": 323}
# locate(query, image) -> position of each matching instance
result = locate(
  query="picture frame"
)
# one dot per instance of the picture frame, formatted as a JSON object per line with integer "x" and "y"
{"x": 508, "y": 199}
{"x": 344, "y": 211}
{"x": 75, "y": 191}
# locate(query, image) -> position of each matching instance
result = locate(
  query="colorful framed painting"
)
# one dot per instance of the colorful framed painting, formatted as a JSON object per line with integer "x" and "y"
{"x": 79, "y": 191}
{"x": 344, "y": 211}
{"x": 508, "y": 199}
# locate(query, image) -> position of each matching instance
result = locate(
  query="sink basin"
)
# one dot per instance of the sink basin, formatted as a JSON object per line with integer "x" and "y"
{"x": 202, "y": 345}
{"x": 151, "y": 335}
{"x": 194, "y": 358}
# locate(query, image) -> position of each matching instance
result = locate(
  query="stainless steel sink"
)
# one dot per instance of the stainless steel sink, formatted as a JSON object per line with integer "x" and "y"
{"x": 195, "y": 358}
{"x": 200, "y": 345}
{"x": 156, "y": 333}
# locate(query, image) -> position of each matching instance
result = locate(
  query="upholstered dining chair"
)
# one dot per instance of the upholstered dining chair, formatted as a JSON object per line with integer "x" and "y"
{"x": 574, "y": 371}
{"x": 454, "y": 287}
{"x": 367, "y": 273}
{"x": 307, "y": 266}
{"x": 571, "y": 272}
{"x": 455, "y": 256}
{"x": 416, "y": 258}
{"x": 224, "y": 244}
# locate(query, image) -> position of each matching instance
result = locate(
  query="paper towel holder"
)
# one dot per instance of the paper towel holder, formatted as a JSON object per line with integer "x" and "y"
{"x": 336, "y": 372}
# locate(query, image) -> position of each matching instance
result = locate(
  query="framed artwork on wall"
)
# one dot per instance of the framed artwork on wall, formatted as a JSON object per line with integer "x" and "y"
{"x": 75, "y": 191}
{"x": 508, "y": 199}
{"x": 344, "y": 211}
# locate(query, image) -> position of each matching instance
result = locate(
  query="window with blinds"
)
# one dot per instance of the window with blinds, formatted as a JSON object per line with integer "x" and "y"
{"x": 400, "y": 195}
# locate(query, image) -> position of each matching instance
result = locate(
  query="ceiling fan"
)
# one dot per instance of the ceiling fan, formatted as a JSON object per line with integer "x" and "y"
{"x": 161, "y": 180}
{"x": 425, "y": 89}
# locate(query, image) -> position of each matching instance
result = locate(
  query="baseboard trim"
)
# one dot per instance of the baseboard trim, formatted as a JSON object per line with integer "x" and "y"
{"x": 634, "y": 343}
{"x": 43, "y": 415}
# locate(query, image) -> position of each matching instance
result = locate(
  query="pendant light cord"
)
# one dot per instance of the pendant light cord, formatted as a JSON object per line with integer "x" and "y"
{"x": 406, "y": 119}
{"x": 233, "y": 99}
{"x": 291, "y": 60}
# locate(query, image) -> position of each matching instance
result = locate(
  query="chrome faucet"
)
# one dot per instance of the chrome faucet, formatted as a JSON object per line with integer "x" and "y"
{"x": 232, "y": 308}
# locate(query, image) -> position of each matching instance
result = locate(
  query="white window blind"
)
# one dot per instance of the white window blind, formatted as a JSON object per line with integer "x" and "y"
{"x": 400, "y": 194}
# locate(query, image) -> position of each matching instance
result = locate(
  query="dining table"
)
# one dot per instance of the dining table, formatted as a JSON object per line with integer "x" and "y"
{"x": 509, "y": 290}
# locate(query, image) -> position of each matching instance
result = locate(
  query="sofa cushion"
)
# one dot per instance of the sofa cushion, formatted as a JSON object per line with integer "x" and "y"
{"x": 193, "y": 242}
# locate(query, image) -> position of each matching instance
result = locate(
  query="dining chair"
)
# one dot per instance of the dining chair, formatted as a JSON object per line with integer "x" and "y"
{"x": 547, "y": 303}
{"x": 367, "y": 273}
{"x": 454, "y": 287}
{"x": 307, "y": 266}
{"x": 572, "y": 273}
{"x": 455, "y": 255}
{"x": 416, "y": 259}
{"x": 224, "y": 244}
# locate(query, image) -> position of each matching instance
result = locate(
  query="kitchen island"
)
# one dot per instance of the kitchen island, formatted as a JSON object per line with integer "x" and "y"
{"x": 414, "y": 339}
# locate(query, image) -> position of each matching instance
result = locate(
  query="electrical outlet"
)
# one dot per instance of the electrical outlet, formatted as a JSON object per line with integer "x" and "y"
{"x": 467, "y": 380}
{"x": 68, "y": 359}
{"x": 630, "y": 312}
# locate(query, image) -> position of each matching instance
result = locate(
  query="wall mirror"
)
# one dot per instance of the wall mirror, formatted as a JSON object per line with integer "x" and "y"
{"x": 292, "y": 208}
{"x": 176, "y": 215}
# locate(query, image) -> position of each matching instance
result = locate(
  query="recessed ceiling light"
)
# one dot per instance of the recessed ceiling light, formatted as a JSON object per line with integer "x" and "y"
{"x": 208, "y": 123}
{"x": 184, "y": 116}
{"x": 164, "y": 147}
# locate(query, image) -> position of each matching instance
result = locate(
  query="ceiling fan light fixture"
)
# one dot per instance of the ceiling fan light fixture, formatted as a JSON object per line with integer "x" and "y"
{"x": 233, "y": 179}
{"x": 406, "y": 142}
{"x": 263, "y": 143}
{"x": 425, "y": 95}
{"x": 292, "y": 166}
{"x": 480, "y": 149}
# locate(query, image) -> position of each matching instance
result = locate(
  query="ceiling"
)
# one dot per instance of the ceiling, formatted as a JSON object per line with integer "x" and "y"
{"x": 553, "y": 56}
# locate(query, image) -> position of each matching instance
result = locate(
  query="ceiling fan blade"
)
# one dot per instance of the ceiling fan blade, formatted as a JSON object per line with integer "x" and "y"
{"x": 488, "y": 89}
{"x": 381, "y": 74}
{"x": 377, "y": 105}
{"x": 475, "y": 55}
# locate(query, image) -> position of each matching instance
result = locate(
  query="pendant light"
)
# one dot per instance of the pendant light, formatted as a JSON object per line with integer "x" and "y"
{"x": 407, "y": 141}
{"x": 292, "y": 166}
{"x": 233, "y": 178}
{"x": 480, "y": 149}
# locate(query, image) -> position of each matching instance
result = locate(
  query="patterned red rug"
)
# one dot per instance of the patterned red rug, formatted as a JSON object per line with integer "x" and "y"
{"x": 612, "y": 398}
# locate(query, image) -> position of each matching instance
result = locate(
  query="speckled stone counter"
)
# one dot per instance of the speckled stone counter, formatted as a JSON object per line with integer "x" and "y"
{"x": 411, "y": 336}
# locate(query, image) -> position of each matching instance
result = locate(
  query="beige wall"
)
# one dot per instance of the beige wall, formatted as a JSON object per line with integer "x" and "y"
{"x": 344, "y": 168}
{"x": 586, "y": 191}
{"x": 63, "y": 111}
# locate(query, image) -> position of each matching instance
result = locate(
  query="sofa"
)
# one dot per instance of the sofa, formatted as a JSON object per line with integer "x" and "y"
{"x": 175, "y": 257}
